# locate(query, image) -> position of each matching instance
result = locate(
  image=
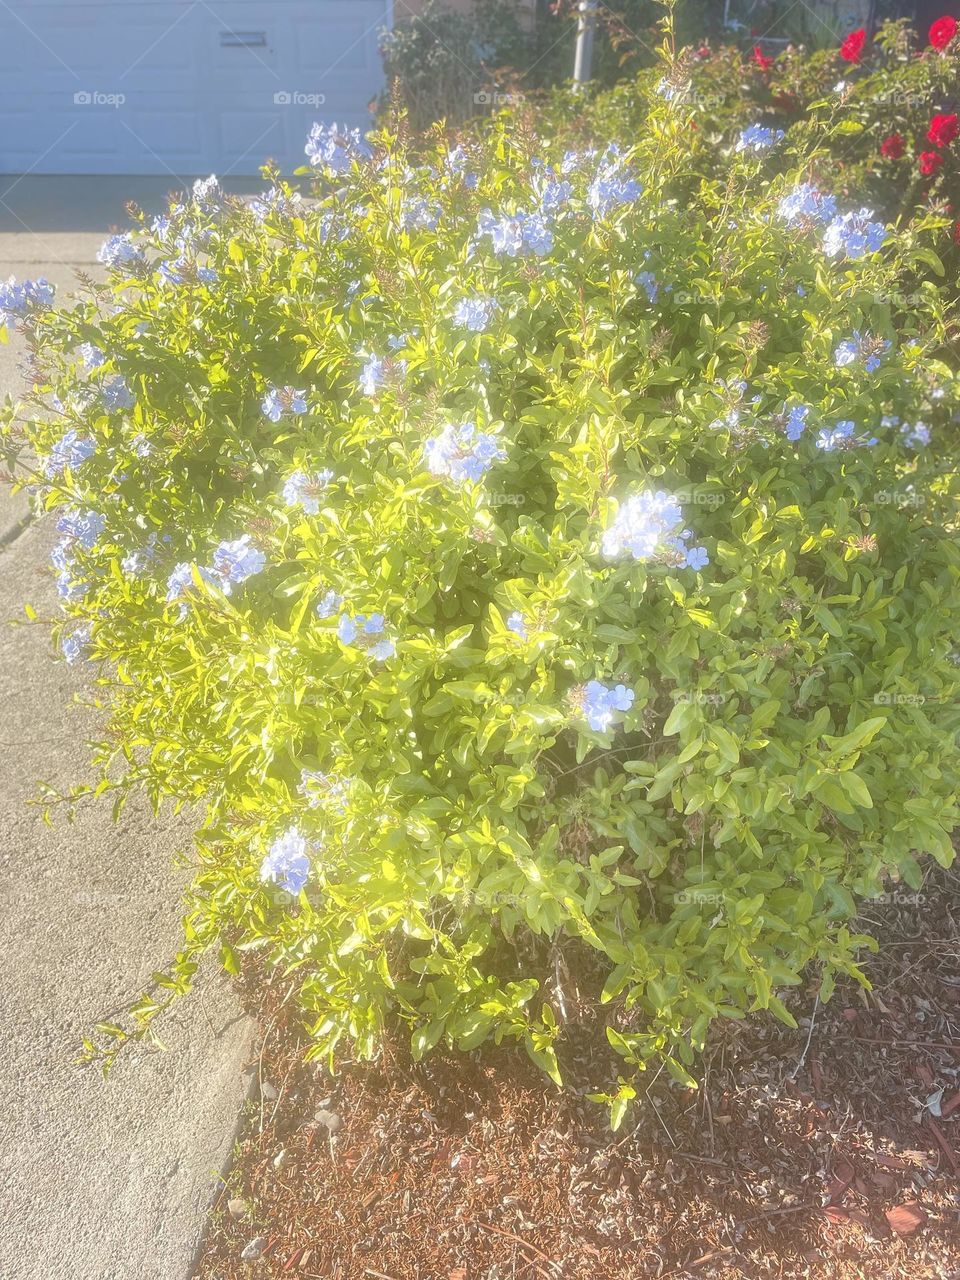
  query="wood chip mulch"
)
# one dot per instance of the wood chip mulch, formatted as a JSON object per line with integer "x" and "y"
{"x": 837, "y": 1159}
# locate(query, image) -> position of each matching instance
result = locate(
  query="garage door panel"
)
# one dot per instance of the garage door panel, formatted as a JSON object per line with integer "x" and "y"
{"x": 154, "y": 86}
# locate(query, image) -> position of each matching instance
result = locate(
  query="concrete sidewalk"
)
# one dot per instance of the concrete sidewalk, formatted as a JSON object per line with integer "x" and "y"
{"x": 99, "y": 1180}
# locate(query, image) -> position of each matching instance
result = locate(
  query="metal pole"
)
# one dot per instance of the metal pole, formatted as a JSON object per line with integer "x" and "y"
{"x": 583, "y": 63}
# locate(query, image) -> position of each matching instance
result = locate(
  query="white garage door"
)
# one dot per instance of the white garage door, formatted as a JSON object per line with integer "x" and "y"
{"x": 183, "y": 87}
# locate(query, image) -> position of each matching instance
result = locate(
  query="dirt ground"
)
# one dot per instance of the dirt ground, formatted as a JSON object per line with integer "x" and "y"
{"x": 836, "y": 1159}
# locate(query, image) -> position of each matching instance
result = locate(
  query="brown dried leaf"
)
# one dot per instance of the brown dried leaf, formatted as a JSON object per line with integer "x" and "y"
{"x": 906, "y": 1218}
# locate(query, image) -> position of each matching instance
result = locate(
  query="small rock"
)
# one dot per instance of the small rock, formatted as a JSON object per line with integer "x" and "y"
{"x": 236, "y": 1207}
{"x": 279, "y": 1158}
{"x": 254, "y": 1249}
{"x": 267, "y": 1091}
{"x": 329, "y": 1119}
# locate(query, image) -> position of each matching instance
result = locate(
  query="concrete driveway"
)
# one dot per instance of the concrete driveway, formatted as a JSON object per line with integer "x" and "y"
{"x": 99, "y": 1180}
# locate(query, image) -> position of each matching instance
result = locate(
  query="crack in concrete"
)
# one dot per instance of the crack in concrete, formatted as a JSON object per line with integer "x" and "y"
{"x": 17, "y": 530}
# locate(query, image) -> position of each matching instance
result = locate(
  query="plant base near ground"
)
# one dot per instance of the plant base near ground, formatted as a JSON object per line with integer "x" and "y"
{"x": 788, "y": 1165}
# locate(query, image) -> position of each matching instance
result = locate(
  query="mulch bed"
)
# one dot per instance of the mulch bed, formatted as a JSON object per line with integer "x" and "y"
{"x": 838, "y": 1162}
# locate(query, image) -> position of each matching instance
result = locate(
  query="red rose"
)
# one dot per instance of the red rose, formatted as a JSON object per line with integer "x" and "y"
{"x": 761, "y": 59}
{"x": 930, "y": 162}
{"x": 943, "y": 31}
{"x": 852, "y": 47}
{"x": 892, "y": 147}
{"x": 942, "y": 131}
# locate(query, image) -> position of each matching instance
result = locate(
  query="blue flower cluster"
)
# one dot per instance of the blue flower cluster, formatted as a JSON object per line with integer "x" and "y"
{"x": 186, "y": 270}
{"x": 19, "y": 299}
{"x": 120, "y": 253}
{"x": 842, "y": 436}
{"x": 281, "y": 400}
{"x": 599, "y": 703}
{"x": 336, "y": 148}
{"x": 474, "y": 313}
{"x": 71, "y": 450}
{"x": 853, "y": 235}
{"x": 861, "y": 347}
{"x": 649, "y": 526}
{"x": 366, "y": 633}
{"x": 233, "y": 563}
{"x": 806, "y": 205}
{"x": 116, "y": 394}
{"x": 287, "y": 863}
{"x": 463, "y": 453}
{"x": 74, "y": 643}
{"x": 378, "y": 372}
{"x": 306, "y": 490}
{"x": 512, "y": 235}
{"x": 758, "y": 138}
{"x": 611, "y": 187}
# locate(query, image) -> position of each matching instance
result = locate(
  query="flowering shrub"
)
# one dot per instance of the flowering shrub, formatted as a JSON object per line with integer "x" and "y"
{"x": 552, "y": 601}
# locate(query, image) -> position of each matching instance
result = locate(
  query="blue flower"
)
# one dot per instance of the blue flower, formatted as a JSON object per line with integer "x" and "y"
{"x": 795, "y": 421}
{"x": 696, "y": 558}
{"x": 861, "y": 347}
{"x": 917, "y": 435}
{"x": 73, "y": 644}
{"x": 185, "y": 270}
{"x": 366, "y": 633}
{"x": 286, "y": 863}
{"x": 281, "y": 400}
{"x": 514, "y": 234}
{"x": 420, "y": 215}
{"x": 84, "y": 527}
{"x": 18, "y": 300}
{"x": 757, "y": 138}
{"x": 91, "y": 356}
{"x": 517, "y": 624}
{"x": 336, "y": 148}
{"x": 275, "y": 202}
{"x": 842, "y": 436}
{"x": 806, "y": 205}
{"x": 474, "y": 313}
{"x": 181, "y": 580}
{"x": 329, "y": 605}
{"x": 378, "y": 371}
{"x": 71, "y": 589}
{"x": 70, "y": 451}
{"x": 600, "y": 702}
{"x": 136, "y": 563}
{"x": 611, "y": 187}
{"x": 116, "y": 394}
{"x": 463, "y": 453}
{"x": 234, "y": 562}
{"x": 207, "y": 193}
{"x": 119, "y": 251}
{"x": 853, "y": 235}
{"x": 644, "y": 527}
{"x": 649, "y": 283}
{"x": 305, "y": 490}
